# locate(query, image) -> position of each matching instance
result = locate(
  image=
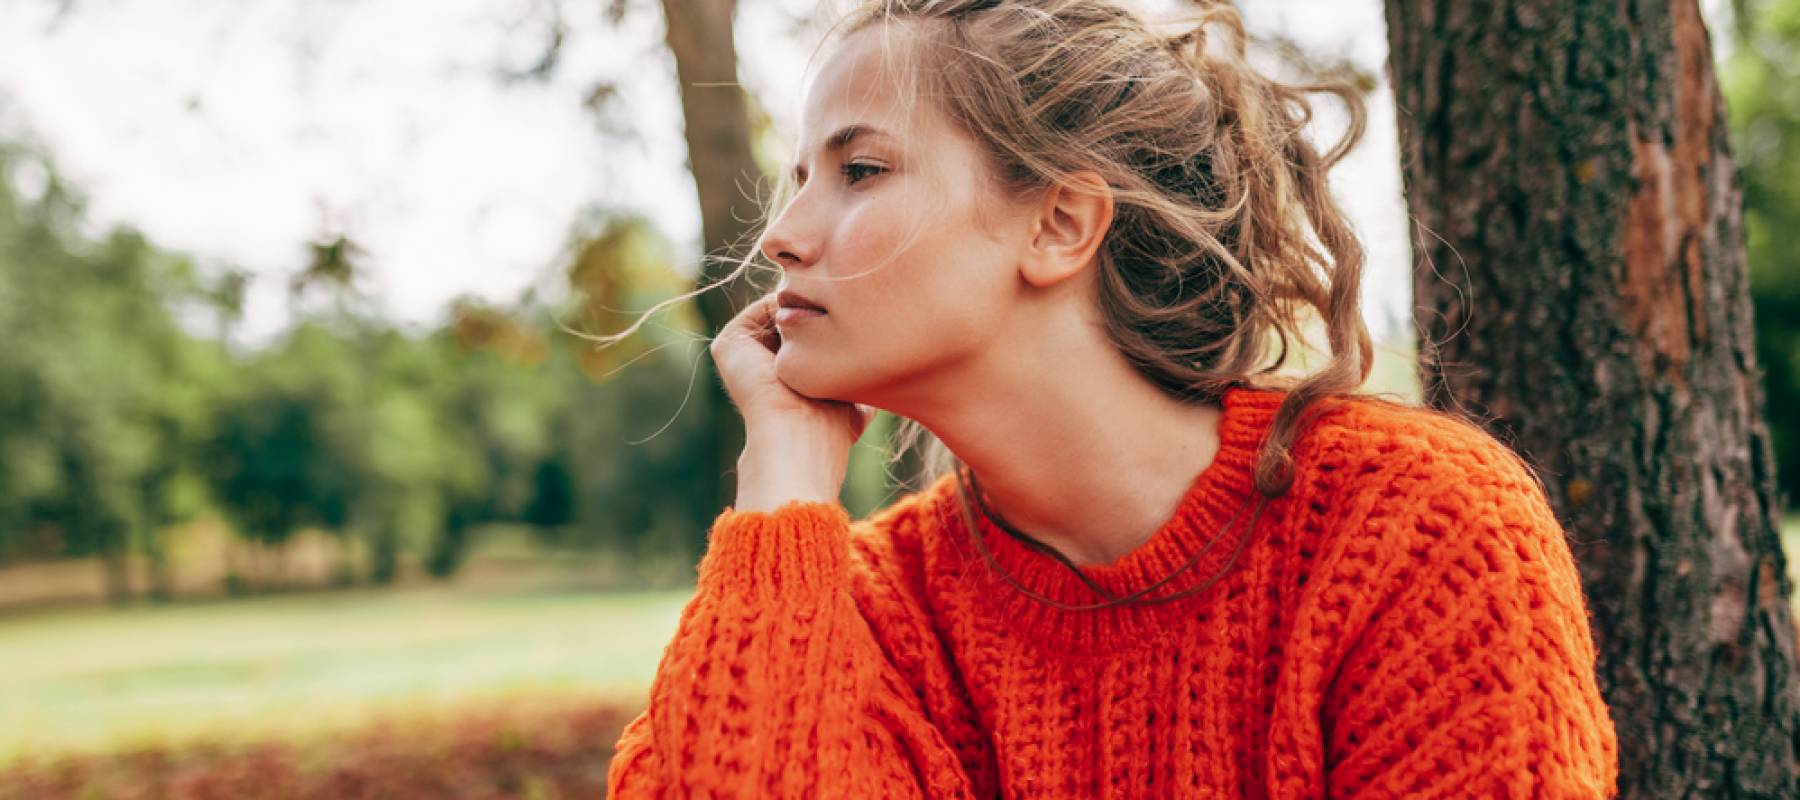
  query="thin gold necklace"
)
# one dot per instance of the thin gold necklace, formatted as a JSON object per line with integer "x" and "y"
{"x": 971, "y": 487}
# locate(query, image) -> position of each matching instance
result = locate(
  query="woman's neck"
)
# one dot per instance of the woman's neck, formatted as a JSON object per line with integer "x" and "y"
{"x": 1091, "y": 462}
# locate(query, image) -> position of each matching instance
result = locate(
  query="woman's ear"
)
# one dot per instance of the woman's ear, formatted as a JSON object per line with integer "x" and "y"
{"x": 1067, "y": 229}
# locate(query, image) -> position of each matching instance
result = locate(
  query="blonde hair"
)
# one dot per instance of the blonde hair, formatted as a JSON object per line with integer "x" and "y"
{"x": 1224, "y": 232}
{"x": 1224, "y": 228}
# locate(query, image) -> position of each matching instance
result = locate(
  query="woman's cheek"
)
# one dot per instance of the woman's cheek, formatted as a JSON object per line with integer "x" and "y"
{"x": 875, "y": 230}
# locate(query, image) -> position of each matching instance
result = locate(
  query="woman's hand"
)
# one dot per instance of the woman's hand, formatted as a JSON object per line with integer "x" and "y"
{"x": 795, "y": 447}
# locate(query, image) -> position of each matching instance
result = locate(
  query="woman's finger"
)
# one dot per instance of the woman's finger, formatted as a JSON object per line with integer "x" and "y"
{"x": 759, "y": 322}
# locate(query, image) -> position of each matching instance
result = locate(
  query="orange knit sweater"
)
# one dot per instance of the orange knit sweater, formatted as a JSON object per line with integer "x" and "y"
{"x": 1405, "y": 622}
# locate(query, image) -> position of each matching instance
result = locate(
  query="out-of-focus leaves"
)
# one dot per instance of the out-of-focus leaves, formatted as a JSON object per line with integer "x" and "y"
{"x": 332, "y": 262}
{"x": 1761, "y": 80}
{"x": 117, "y": 421}
{"x": 614, "y": 278}
{"x": 478, "y": 326}
{"x": 101, "y": 390}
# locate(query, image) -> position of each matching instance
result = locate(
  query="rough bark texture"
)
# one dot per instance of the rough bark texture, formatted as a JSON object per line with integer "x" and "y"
{"x": 1581, "y": 286}
{"x": 699, "y": 34}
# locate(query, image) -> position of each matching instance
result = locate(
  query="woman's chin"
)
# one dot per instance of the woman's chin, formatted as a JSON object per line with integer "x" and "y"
{"x": 797, "y": 370}
{"x": 791, "y": 369}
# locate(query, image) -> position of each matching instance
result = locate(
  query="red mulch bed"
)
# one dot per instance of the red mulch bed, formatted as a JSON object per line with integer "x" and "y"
{"x": 547, "y": 754}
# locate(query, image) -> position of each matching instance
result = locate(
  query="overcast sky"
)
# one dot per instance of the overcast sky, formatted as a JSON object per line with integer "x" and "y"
{"x": 238, "y": 131}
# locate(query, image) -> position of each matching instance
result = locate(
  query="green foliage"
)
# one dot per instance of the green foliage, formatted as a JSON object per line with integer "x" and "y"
{"x": 116, "y": 421}
{"x": 101, "y": 393}
{"x": 1761, "y": 80}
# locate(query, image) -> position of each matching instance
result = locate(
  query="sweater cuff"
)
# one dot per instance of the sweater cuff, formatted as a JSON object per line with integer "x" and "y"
{"x": 798, "y": 549}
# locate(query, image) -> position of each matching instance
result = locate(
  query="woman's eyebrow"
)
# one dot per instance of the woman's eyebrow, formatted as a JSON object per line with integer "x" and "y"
{"x": 838, "y": 141}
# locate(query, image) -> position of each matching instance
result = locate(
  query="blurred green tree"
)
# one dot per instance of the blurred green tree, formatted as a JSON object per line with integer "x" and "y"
{"x": 102, "y": 392}
{"x": 1761, "y": 79}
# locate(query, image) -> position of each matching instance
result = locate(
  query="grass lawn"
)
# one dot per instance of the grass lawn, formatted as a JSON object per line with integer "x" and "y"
{"x": 306, "y": 666}
{"x": 101, "y": 679}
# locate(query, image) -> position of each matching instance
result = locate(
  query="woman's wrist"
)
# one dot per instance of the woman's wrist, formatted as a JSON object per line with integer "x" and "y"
{"x": 769, "y": 478}
{"x": 771, "y": 498}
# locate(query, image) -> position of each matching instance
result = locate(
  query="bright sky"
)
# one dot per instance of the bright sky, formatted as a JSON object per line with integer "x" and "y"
{"x": 237, "y": 132}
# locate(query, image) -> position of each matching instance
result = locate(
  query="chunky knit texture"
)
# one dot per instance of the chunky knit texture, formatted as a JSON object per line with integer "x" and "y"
{"x": 1406, "y": 621}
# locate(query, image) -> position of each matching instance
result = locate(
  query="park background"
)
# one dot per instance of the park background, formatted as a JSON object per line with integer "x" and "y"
{"x": 311, "y": 483}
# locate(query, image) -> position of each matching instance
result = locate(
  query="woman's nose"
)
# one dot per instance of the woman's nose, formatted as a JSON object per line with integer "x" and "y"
{"x": 784, "y": 247}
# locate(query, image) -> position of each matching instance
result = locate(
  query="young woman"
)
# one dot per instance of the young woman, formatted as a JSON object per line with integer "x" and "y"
{"x": 1066, "y": 245}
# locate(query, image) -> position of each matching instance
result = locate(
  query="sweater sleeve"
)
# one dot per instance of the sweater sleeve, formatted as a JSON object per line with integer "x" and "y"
{"x": 1475, "y": 675}
{"x": 774, "y": 684}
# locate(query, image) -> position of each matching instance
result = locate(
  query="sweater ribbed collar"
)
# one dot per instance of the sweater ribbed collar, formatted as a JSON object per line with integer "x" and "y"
{"x": 1223, "y": 488}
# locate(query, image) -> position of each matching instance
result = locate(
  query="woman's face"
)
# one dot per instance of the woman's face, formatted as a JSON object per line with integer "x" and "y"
{"x": 900, "y": 313}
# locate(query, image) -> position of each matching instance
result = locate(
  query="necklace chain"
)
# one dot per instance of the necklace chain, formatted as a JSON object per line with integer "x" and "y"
{"x": 971, "y": 487}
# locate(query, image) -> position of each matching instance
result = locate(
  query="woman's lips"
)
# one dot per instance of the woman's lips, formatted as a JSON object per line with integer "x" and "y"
{"x": 788, "y": 315}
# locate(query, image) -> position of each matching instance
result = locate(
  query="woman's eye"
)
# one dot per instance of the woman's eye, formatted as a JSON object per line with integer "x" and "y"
{"x": 865, "y": 170}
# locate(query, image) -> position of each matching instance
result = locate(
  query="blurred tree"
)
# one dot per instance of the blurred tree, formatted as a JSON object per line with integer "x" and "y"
{"x": 506, "y": 397}
{"x": 637, "y": 437}
{"x": 402, "y": 442}
{"x": 612, "y": 276}
{"x": 346, "y": 423}
{"x": 1762, "y": 82}
{"x": 102, "y": 391}
{"x": 333, "y": 263}
{"x": 416, "y": 462}
{"x": 1568, "y": 166}
{"x": 476, "y": 326}
{"x": 720, "y": 154}
{"x": 723, "y": 131}
{"x": 282, "y": 454}
{"x": 636, "y": 459}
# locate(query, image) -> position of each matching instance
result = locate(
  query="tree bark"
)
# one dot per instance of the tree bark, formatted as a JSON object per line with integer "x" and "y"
{"x": 699, "y": 34}
{"x": 1581, "y": 288}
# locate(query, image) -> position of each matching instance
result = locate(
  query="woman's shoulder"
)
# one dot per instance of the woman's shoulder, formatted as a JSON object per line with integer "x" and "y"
{"x": 1388, "y": 476}
{"x": 887, "y": 547}
{"x": 1372, "y": 441}
{"x": 1426, "y": 504}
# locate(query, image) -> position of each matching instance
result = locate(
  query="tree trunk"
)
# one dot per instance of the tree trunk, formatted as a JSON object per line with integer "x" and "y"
{"x": 158, "y": 576}
{"x": 1581, "y": 287}
{"x": 726, "y": 174}
{"x": 115, "y": 571}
